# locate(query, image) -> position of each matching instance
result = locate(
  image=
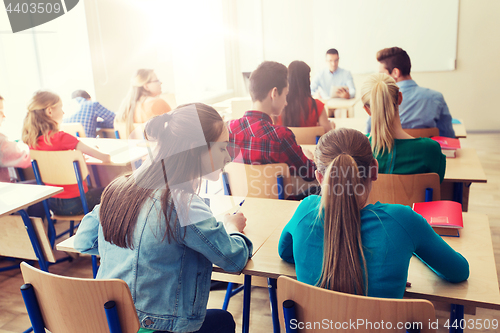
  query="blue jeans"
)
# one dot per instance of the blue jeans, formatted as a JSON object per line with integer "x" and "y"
{"x": 216, "y": 321}
{"x": 73, "y": 206}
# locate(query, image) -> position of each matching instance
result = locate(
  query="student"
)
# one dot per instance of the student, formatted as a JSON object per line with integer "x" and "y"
{"x": 333, "y": 77}
{"x": 12, "y": 154}
{"x": 260, "y": 141}
{"x": 89, "y": 112}
{"x": 143, "y": 236}
{"x": 396, "y": 151}
{"x": 421, "y": 107}
{"x": 142, "y": 101}
{"x": 302, "y": 110}
{"x": 41, "y": 132}
{"x": 339, "y": 242}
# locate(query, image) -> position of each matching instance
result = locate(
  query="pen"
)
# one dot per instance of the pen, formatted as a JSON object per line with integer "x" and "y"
{"x": 241, "y": 203}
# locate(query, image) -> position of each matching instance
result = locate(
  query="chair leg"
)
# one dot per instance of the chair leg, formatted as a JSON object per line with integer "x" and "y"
{"x": 71, "y": 228}
{"x": 112, "y": 317}
{"x": 246, "y": 303}
{"x": 271, "y": 286}
{"x": 289, "y": 314}
{"x": 230, "y": 293}
{"x": 94, "y": 266}
{"x": 33, "y": 308}
{"x": 34, "y": 241}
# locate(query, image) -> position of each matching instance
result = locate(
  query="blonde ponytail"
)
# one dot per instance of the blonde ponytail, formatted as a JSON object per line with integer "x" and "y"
{"x": 344, "y": 158}
{"x": 380, "y": 94}
{"x": 37, "y": 123}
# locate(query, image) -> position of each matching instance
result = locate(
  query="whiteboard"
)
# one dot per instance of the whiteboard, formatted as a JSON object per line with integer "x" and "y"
{"x": 426, "y": 29}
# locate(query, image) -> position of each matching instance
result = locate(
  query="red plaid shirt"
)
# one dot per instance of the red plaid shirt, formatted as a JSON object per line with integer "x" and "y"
{"x": 261, "y": 142}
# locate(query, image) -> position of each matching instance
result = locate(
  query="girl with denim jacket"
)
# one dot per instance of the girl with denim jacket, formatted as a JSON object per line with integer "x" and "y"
{"x": 154, "y": 232}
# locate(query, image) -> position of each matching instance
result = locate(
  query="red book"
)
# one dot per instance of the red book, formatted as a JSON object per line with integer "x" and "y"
{"x": 449, "y": 146}
{"x": 444, "y": 216}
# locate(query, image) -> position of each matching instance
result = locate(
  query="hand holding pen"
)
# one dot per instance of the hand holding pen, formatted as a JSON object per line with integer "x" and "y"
{"x": 235, "y": 222}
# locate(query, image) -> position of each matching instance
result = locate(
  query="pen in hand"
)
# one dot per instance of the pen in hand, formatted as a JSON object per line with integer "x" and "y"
{"x": 241, "y": 203}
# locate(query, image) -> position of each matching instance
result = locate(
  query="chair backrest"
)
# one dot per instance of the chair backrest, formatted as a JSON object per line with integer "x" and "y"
{"x": 75, "y": 129}
{"x": 258, "y": 181}
{"x": 77, "y": 305}
{"x": 314, "y": 304}
{"x": 422, "y": 132}
{"x": 15, "y": 241}
{"x": 56, "y": 167}
{"x": 404, "y": 189}
{"x": 120, "y": 129}
{"x": 307, "y": 135}
{"x": 239, "y": 107}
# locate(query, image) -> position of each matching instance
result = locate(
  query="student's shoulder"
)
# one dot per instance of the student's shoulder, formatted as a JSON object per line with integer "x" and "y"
{"x": 427, "y": 145}
{"x": 400, "y": 213}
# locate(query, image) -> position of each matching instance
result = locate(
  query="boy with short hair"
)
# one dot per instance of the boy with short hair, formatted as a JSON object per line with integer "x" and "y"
{"x": 260, "y": 141}
{"x": 89, "y": 112}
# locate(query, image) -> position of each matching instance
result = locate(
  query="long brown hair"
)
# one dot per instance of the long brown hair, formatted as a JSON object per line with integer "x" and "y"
{"x": 173, "y": 168}
{"x": 299, "y": 93}
{"x": 127, "y": 108}
{"x": 343, "y": 157}
{"x": 380, "y": 94}
{"x": 37, "y": 123}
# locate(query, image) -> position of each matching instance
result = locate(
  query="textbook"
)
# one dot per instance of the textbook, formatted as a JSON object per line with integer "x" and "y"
{"x": 449, "y": 146}
{"x": 444, "y": 216}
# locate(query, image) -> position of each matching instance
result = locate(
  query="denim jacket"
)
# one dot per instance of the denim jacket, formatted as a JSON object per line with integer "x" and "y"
{"x": 169, "y": 282}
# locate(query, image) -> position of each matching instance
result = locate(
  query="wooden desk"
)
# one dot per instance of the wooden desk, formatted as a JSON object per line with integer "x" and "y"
{"x": 15, "y": 198}
{"x": 480, "y": 290}
{"x": 264, "y": 216}
{"x": 123, "y": 154}
{"x": 341, "y": 103}
{"x": 360, "y": 125}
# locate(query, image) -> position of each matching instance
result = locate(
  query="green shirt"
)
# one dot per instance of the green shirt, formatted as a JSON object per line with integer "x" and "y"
{"x": 410, "y": 156}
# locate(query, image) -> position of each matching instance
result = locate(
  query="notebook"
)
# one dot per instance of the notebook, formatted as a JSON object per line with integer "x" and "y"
{"x": 449, "y": 146}
{"x": 444, "y": 216}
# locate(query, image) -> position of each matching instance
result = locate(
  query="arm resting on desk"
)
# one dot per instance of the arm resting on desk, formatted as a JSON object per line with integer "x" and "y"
{"x": 86, "y": 238}
{"x": 436, "y": 253}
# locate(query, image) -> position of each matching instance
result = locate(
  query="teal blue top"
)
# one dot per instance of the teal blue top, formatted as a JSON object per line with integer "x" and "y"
{"x": 391, "y": 234}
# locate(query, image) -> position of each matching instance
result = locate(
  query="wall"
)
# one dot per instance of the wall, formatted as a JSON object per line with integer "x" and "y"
{"x": 122, "y": 40}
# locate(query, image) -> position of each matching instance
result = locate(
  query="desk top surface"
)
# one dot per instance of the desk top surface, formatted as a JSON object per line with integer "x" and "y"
{"x": 474, "y": 243}
{"x": 264, "y": 216}
{"x": 123, "y": 152}
{"x": 360, "y": 125}
{"x": 14, "y": 197}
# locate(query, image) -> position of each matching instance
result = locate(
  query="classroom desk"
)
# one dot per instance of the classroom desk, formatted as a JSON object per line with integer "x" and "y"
{"x": 341, "y": 103}
{"x": 460, "y": 173}
{"x": 480, "y": 290}
{"x": 360, "y": 125}
{"x": 16, "y": 198}
{"x": 123, "y": 153}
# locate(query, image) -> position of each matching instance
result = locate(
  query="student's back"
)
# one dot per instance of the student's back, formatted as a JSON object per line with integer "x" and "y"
{"x": 338, "y": 242}
{"x": 154, "y": 232}
{"x": 260, "y": 141}
{"x": 396, "y": 151}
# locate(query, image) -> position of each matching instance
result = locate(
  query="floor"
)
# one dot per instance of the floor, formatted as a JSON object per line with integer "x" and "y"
{"x": 484, "y": 198}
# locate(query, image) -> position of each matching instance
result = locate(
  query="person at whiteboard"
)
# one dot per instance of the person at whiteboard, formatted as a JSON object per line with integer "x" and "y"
{"x": 333, "y": 81}
{"x": 421, "y": 107}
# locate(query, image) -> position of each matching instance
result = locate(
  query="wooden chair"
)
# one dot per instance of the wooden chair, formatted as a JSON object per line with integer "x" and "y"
{"x": 307, "y": 135}
{"x": 121, "y": 132}
{"x": 75, "y": 129}
{"x": 404, "y": 189}
{"x": 313, "y": 305}
{"x": 422, "y": 132}
{"x": 61, "y": 168}
{"x": 16, "y": 242}
{"x": 258, "y": 181}
{"x": 65, "y": 304}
